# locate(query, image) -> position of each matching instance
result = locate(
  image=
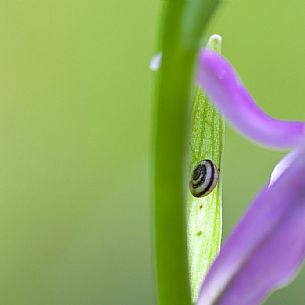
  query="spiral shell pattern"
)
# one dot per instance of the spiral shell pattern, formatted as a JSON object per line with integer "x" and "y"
{"x": 204, "y": 178}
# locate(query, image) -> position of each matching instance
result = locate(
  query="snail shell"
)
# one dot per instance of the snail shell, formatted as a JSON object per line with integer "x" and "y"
{"x": 204, "y": 178}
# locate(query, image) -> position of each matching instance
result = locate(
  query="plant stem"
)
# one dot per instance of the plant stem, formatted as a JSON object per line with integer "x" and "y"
{"x": 180, "y": 41}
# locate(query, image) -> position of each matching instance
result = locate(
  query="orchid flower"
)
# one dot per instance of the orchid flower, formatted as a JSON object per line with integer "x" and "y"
{"x": 267, "y": 247}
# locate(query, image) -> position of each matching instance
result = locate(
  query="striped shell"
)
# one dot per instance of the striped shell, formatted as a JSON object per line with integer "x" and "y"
{"x": 204, "y": 178}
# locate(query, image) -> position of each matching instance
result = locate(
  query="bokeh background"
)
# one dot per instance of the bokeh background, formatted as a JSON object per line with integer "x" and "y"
{"x": 75, "y": 125}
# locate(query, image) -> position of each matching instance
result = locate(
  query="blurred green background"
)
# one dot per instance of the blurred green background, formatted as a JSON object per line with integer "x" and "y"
{"x": 75, "y": 125}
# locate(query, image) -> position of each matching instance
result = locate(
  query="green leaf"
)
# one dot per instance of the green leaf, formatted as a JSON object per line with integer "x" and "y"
{"x": 205, "y": 214}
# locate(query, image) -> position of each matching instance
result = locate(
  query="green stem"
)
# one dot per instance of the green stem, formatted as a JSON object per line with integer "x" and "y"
{"x": 180, "y": 42}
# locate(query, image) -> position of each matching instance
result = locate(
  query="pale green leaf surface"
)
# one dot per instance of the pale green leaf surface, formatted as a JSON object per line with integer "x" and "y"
{"x": 205, "y": 214}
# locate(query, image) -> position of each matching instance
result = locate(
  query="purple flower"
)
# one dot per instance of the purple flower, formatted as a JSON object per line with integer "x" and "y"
{"x": 268, "y": 245}
{"x": 225, "y": 89}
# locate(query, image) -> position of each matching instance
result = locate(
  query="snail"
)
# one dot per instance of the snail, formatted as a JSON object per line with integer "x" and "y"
{"x": 204, "y": 178}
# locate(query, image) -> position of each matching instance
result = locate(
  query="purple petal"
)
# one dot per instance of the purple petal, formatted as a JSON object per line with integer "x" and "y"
{"x": 267, "y": 246}
{"x": 280, "y": 168}
{"x": 222, "y": 85}
{"x": 155, "y": 62}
